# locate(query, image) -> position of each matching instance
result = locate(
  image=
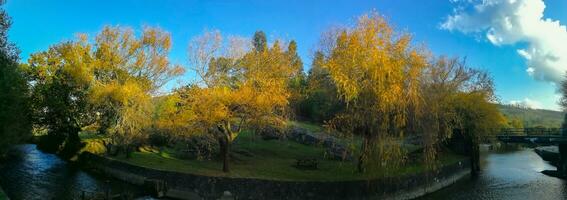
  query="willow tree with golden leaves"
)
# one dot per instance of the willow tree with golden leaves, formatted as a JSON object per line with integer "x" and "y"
{"x": 128, "y": 71}
{"x": 377, "y": 73}
{"x": 449, "y": 86}
{"x": 238, "y": 89}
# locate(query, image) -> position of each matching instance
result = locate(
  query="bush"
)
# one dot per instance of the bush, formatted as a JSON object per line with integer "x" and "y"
{"x": 159, "y": 139}
{"x": 197, "y": 147}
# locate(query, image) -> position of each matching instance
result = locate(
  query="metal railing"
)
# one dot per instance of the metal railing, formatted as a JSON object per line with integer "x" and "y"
{"x": 531, "y": 131}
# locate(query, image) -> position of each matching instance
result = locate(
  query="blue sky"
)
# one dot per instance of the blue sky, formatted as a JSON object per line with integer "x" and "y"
{"x": 37, "y": 24}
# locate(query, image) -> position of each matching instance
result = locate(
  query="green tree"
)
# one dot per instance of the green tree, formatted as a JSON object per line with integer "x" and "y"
{"x": 297, "y": 81}
{"x": 109, "y": 83}
{"x": 321, "y": 101}
{"x": 62, "y": 78}
{"x": 15, "y": 120}
{"x": 259, "y": 41}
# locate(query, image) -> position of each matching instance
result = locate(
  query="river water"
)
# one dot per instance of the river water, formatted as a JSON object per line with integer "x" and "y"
{"x": 507, "y": 175}
{"x": 32, "y": 174}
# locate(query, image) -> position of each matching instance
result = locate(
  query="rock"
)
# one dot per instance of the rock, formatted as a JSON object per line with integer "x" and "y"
{"x": 310, "y": 139}
{"x": 296, "y": 133}
{"x": 227, "y": 195}
{"x": 272, "y": 133}
{"x": 303, "y": 136}
{"x": 329, "y": 142}
{"x": 335, "y": 150}
{"x": 338, "y": 152}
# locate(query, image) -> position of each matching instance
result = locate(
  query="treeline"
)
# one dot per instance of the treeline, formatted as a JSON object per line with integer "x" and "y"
{"x": 15, "y": 118}
{"x": 366, "y": 80}
{"x": 521, "y": 117}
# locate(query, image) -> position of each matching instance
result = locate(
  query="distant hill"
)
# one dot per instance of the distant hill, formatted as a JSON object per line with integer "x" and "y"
{"x": 533, "y": 117}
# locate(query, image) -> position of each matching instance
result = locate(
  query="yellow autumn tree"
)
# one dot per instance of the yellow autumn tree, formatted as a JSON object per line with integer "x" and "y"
{"x": 377, "y": 73}
{"x": 128, "y": 71}
{"x": 449, "y": 87}
{"x": 238, "y": 89}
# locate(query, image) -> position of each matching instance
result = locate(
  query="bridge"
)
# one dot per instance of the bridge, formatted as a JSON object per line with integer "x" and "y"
{"x": 541, "y": 136}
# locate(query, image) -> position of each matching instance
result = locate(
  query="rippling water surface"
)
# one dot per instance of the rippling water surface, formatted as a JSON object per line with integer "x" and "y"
{"x": 508, "y": 175}
{"x": 32, "y": 174}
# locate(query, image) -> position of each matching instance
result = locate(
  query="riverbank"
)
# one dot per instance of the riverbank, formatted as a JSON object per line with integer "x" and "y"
{"x": 191, "y": 186}
{"x": 551, "y": 155}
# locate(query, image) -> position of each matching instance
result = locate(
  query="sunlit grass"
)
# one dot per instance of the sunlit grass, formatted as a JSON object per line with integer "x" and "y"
{"x": 273, "y": 159}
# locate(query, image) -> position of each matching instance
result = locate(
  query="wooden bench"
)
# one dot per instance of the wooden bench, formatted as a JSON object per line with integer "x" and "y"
{"x": 307, "y": 163}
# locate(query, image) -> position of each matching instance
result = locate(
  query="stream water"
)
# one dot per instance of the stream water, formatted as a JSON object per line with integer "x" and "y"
{"x": 506, "y": 175}
{"x": 33, "y": 174}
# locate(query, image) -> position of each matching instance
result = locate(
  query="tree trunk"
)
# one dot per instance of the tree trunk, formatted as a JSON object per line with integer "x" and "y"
{"x": 474, "y": 154}
{"x": 128, "y": 151}
{"x": 363, "y": 155}
{"x": 224, "y": 150}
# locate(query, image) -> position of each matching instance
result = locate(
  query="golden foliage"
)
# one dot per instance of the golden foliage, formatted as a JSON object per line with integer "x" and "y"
{"x": 118, "y": 74}
{"x": 253, "y": 89}
{"x": 247, "y": 89}
{"x": 377, "y": 73}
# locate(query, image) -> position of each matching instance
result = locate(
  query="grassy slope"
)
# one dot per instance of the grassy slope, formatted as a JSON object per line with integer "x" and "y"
{"x": 271, "y": 160}
{"x": 534, "y": 117}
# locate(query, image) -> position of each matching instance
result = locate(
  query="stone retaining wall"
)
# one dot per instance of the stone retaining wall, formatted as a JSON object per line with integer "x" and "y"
{"x": 190, "y": 186}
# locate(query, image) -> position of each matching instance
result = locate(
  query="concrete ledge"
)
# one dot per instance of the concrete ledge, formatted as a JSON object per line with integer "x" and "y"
{"x": 192, "y": 186}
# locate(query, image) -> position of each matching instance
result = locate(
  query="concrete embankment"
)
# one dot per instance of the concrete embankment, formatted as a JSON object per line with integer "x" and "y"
{"x": 192, "y": 186}
{"x": 548, "y": 153}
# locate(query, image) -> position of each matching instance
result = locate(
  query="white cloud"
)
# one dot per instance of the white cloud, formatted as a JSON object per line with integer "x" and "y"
{"x": 527, "y": 103}
{"x": 508, "y": 22}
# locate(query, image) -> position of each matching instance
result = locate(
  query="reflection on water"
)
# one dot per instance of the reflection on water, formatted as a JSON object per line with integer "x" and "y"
{"x": 32, "y": 174}
{"x": 508, "y": 175}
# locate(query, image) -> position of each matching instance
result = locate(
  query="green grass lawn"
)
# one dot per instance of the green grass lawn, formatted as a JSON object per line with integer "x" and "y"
{"x": 272, "y": 159}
